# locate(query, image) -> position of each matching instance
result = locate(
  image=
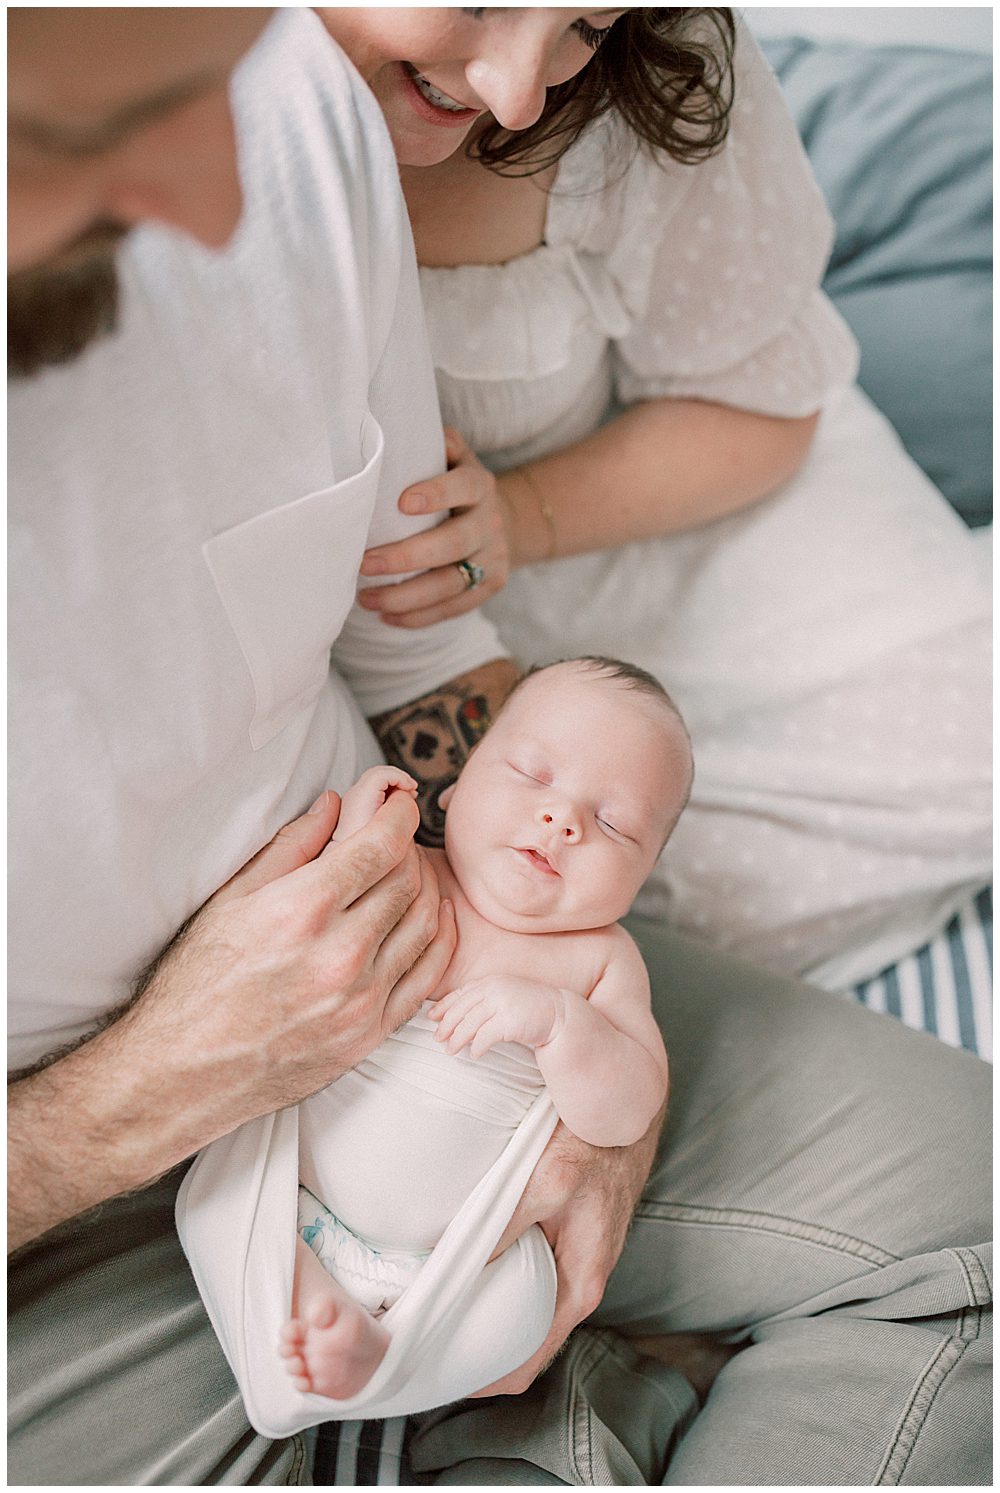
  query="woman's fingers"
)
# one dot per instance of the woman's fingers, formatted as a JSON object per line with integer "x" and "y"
{"x": 441, "y": 611}
{"x": 445, "y": 587}
{"x": 444, "y": 544}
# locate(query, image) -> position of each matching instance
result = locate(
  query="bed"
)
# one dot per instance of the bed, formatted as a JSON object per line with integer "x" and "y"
{"x": 900, "y": 140}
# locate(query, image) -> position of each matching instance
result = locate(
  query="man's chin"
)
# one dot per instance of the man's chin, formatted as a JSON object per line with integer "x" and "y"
{"x": 55, "y": 311}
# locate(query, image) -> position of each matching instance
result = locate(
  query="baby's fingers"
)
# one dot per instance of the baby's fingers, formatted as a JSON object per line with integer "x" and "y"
{"x": 486, "y": 1037}
{"x": 466, "y": 1029}
{"x": 450, "y": 1009}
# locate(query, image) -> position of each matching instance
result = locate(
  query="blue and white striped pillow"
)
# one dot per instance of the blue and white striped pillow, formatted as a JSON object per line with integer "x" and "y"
{"x": 945, "y": 988}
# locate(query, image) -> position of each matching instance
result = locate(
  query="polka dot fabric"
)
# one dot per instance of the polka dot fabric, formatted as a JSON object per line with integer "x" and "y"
{"x": 830, "y": 647}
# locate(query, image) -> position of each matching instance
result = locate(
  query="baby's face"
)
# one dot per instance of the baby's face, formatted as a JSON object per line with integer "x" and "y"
{"x": 561, "y": 811}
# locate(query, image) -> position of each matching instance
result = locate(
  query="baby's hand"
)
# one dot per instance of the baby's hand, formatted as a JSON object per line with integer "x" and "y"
{"x": 368, "y": 795}
{"x": 495, "y": 1009}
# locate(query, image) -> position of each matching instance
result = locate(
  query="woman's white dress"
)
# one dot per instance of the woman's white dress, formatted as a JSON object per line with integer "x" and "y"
{"x": 830, "y": 646}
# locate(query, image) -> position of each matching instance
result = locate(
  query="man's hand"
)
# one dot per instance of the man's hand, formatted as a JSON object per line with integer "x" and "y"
{"x": 299, "y": 966}
{"x": 311, "y": 955}
{"x": 583, "y": 1197}
{"x": 498, "y": 1008}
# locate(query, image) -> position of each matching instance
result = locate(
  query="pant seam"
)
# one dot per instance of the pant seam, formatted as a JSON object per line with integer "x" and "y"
{"x": 976, "y": 1278}
{"x": 580, "y": 1413}
{"x": 692, "y": 1214}
{"x": 298, "y": 1461}
{"x": 919, "y": 1406}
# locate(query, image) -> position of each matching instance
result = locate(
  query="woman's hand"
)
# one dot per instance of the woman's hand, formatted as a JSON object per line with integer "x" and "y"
{"x": 478, "y": 530}
{"x": 583, "y": 1197}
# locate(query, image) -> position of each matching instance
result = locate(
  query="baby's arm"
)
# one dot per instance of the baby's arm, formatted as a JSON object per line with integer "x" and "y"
{"x": 602, "y": 1057}
{"x": 369, "y": 794}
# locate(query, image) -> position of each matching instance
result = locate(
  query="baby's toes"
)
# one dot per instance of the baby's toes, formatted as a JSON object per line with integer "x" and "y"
{"x": 291, "y": 1337}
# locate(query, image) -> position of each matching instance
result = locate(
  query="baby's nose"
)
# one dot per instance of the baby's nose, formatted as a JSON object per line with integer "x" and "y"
{"x": 562, "y": 822}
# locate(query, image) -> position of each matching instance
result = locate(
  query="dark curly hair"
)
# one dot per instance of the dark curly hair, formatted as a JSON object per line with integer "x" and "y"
{"x": 667, "y": 72}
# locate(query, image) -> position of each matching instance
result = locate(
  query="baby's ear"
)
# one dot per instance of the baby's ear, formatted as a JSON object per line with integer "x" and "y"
{"x": 444, "y": 797}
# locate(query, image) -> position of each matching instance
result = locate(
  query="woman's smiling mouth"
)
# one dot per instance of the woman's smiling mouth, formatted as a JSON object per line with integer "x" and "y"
{"x": 431, "y": 103}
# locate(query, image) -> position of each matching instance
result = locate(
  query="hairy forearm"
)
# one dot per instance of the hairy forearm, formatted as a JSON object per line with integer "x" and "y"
{"x": 431, "y": 737}
{"x": 101, "y": 1121}
{"x": 606, "y": 1086}
{"x": 660, "y": 468}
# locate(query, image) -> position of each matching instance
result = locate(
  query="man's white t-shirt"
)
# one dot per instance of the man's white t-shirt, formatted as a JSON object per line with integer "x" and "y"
{"x": 189, "y": 503}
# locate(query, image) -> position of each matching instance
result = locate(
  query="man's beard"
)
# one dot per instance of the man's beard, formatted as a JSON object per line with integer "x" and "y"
{"x": 55, "y": 310}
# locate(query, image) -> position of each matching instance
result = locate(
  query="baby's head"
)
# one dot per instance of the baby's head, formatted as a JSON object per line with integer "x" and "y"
{"x": 562, "y": 809}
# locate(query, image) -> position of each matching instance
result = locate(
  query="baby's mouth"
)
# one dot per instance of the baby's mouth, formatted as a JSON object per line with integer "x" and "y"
{"x": 434, "y": 95}
{"x": 537, "y": 859}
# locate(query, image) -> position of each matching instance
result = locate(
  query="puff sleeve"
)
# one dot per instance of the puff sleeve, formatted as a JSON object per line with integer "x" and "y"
{"x": 719, "y": 266}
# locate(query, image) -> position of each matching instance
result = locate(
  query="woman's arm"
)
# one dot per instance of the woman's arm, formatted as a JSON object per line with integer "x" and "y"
{"x": 661, "y": 467}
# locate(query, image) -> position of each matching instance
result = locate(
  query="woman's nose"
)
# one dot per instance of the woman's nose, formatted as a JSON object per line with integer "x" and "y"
{"x": 562, "y": 822}
{"x": 511, "y": 82}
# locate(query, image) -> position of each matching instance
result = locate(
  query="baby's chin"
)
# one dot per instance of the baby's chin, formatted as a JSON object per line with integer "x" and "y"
{"x": 517, "y": 919}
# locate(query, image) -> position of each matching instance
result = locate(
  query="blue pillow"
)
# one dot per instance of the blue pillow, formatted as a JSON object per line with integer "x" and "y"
{"x": 900, "y": 141}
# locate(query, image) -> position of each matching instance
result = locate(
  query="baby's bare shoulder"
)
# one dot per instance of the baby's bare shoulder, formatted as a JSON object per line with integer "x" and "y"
{"x": 612, "y": 955}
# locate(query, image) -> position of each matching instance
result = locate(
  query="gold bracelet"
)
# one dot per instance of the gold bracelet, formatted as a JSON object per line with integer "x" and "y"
{"x": 545, "y": 508}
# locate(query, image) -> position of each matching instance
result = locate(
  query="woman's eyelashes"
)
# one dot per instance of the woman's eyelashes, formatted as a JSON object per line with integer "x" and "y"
{"x": 591, "y": 36}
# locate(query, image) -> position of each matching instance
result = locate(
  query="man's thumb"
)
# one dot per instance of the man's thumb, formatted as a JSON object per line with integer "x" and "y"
{"x": 294, "y": 846}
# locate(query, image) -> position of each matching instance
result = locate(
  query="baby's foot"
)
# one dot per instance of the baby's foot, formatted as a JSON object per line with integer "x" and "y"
{"x": 334, "y": 1350}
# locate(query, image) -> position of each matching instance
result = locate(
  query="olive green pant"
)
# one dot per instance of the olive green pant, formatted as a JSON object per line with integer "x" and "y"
{"x": 823, "y": 1190}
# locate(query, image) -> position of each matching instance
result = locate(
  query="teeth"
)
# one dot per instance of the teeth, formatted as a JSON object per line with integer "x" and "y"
{"x": 435, "y": 96}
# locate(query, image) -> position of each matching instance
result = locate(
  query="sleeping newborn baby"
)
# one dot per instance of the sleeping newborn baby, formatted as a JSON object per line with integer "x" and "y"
{"x": 556, "y": 820}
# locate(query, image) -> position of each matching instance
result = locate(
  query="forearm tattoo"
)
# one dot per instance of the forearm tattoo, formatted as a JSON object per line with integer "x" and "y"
{"x": 431, "y": 737}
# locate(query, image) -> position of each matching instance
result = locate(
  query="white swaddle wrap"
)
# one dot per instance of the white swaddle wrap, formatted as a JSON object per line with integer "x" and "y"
{"x": 463, "y": 1323}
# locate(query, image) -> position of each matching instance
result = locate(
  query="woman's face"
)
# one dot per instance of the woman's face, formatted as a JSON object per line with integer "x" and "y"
{"x": 435, "y": 72}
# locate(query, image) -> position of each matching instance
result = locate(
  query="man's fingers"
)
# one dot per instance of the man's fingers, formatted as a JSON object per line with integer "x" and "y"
{"x": 424, "y": 976}
{"x": 294, "y": 846}
{"x": 354, "y": 866}
{"x": 406, "y": 939}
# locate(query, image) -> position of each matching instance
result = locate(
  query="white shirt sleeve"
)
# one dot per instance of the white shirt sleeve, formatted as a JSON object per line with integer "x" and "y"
{"x": 720, "y": 265}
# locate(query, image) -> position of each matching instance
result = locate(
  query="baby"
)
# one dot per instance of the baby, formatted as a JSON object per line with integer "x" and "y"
{"x": 556, "y": 820}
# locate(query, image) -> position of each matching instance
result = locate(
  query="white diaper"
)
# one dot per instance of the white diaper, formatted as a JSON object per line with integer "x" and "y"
{"x": 375, "y": 1278}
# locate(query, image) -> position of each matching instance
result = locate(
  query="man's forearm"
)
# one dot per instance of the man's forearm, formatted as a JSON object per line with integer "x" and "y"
{"x": 89, "y": 1127}
{"x": 431, "y": 737}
